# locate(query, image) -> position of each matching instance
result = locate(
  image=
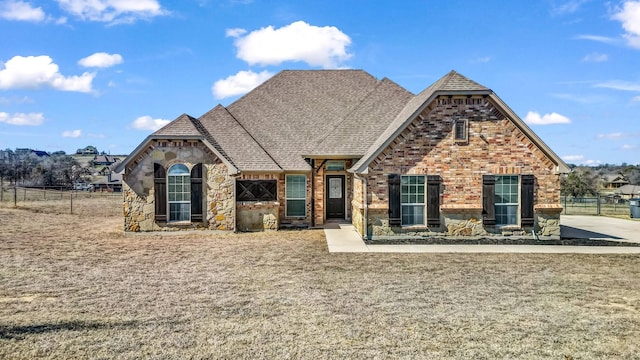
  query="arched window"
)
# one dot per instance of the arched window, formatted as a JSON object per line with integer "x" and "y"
{"x": 179, "y": 193}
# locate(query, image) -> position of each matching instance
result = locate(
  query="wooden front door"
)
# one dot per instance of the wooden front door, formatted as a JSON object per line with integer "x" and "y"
{"x": 335, "y": 196}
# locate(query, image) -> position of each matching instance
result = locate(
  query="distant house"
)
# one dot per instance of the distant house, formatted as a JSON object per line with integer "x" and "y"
{"x": 40, "y": 153}
{"x": 104, "y": 160}
{"x": 111, "y": 182}
{"x": 89, "y": 150}
{"x": 629, "y": 191}
{"x": 312, "y": 146}
{"x": 26, "y": 152}
{"x": 612, "y": 182}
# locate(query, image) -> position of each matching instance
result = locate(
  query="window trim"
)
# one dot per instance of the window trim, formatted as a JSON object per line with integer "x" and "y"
{"x": 340, "y": 165}
{"x": 517, "y": 204}
{"x": 423, "y": 204}
{"x": 186, "y": 181}
{"x": 465, "y": 135}
{"x": 287, "y": 198}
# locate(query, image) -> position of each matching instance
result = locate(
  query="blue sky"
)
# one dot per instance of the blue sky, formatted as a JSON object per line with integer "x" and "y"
{"x": 108, "y": 72}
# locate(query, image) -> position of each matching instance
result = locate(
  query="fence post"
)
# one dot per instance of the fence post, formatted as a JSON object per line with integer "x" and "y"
{"x": 24, "y": 197}
{"x": 44, "y": 193}
{"x": 598, "y": 203}
{"x": 15, "y": 195}
{"x": 71, "y": 201}
{"x": 565, "y": 205}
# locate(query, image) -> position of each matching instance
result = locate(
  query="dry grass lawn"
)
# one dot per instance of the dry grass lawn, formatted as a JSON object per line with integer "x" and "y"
{"x": 75, "y": 286}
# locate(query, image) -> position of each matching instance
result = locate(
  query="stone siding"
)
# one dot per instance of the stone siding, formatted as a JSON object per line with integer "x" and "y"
{"x": 495, "y": 145}
{"x": 138, "y": 187}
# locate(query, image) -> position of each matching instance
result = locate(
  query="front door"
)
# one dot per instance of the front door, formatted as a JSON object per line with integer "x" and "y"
{"x": 335, "y": 197}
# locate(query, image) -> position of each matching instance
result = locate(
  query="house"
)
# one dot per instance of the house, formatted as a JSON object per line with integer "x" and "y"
{"x": 110, "y": 182}
{"x": 104, "y": 160}
{"x": 311, "y": 146}
{"x": 89, "y": 150}
{"x": 610, "y": 182}
{"x": 629, "y": 191}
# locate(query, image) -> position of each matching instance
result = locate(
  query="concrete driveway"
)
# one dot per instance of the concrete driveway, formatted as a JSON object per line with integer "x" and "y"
{"x": 599, "y": 227}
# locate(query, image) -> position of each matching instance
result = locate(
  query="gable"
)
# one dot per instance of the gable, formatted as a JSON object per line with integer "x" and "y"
{"x": 450, "y": 85}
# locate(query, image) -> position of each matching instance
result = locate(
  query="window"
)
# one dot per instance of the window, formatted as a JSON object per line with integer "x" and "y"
{"x": 334, "y": 165}
{"x": 460, "y": 130}
{"x": 179, "y": 193}
{"x": 412, "y": 199}
{"x": 296, "y": 195}
{"x": 506, "y": 200}
{"x": 256, "y": 190}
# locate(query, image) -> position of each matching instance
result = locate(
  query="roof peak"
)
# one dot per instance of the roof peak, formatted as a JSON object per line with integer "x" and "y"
{"x": 454, "y": 81}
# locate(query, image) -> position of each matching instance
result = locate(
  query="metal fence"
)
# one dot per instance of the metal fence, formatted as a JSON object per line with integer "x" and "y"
{"x": 596, "y": 205}
{"x": 60, "y": 200}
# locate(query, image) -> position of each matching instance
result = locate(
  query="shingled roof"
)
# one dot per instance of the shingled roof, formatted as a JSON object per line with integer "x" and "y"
{"x": 300, "y": 114}
{"x": 292, "y": 111}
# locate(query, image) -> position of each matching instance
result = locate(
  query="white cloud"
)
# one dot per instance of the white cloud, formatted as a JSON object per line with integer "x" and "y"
{"x": 148, "y": 123}
{"x": 112, "y": 11}
{"x": 619, "y": 85}
{"x": 21, "y": 11}
{"x": 236, "y": 32}
{"x": 567, "y": 7}
{"x": 33, "y": 72}
{"x": 579, "y": 159}
{"x": 239, "y": 84}
{"x": 299, "y": 41}
{"x": 16, "y": 100}
{"x": 21, "y": 119}
{"x": 611, "y": 136}
{"x": 534, "y": 118}
{"x": 595, "y": 57}
{"x": 101, "y": 60}
{"x": 635, "y": 99}
{"x": 481, "y": 60}
{"x": 72, "y": 133}
{"x": 629, "y": 16}
{"x": 629, "y": 147}
{"x": 598, "y": 38}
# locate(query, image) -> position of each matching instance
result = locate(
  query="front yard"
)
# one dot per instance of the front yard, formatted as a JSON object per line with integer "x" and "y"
{"x": 75, "y": 286}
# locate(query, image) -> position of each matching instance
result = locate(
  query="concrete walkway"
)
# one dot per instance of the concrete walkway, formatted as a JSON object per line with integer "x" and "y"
{"x": 343, "y": 238}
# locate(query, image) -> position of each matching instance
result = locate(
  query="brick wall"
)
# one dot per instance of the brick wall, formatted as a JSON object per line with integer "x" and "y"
{"x": 494, "y": 146}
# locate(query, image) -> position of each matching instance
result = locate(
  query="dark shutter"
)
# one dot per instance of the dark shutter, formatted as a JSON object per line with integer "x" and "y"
{"x": 196, "y": 193}
{"x": 394, "y": 199}
{"x": 488, "y": 200}
{"x": 433, "y": 200}
{"x": 160, "y": 192}
{"x": 526, "y": 196}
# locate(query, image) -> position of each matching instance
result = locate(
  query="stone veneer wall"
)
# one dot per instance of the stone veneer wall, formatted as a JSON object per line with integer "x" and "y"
{"x": 357, "y": 205}
{"x": 494, "y": 146}
{"x": 138, "y": 187}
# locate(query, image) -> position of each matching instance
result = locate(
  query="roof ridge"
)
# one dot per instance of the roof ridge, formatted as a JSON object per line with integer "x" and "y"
{"x": 198, "y": 124}
{"x": 351, "y": 111}
{"x": 252, "y": 137}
